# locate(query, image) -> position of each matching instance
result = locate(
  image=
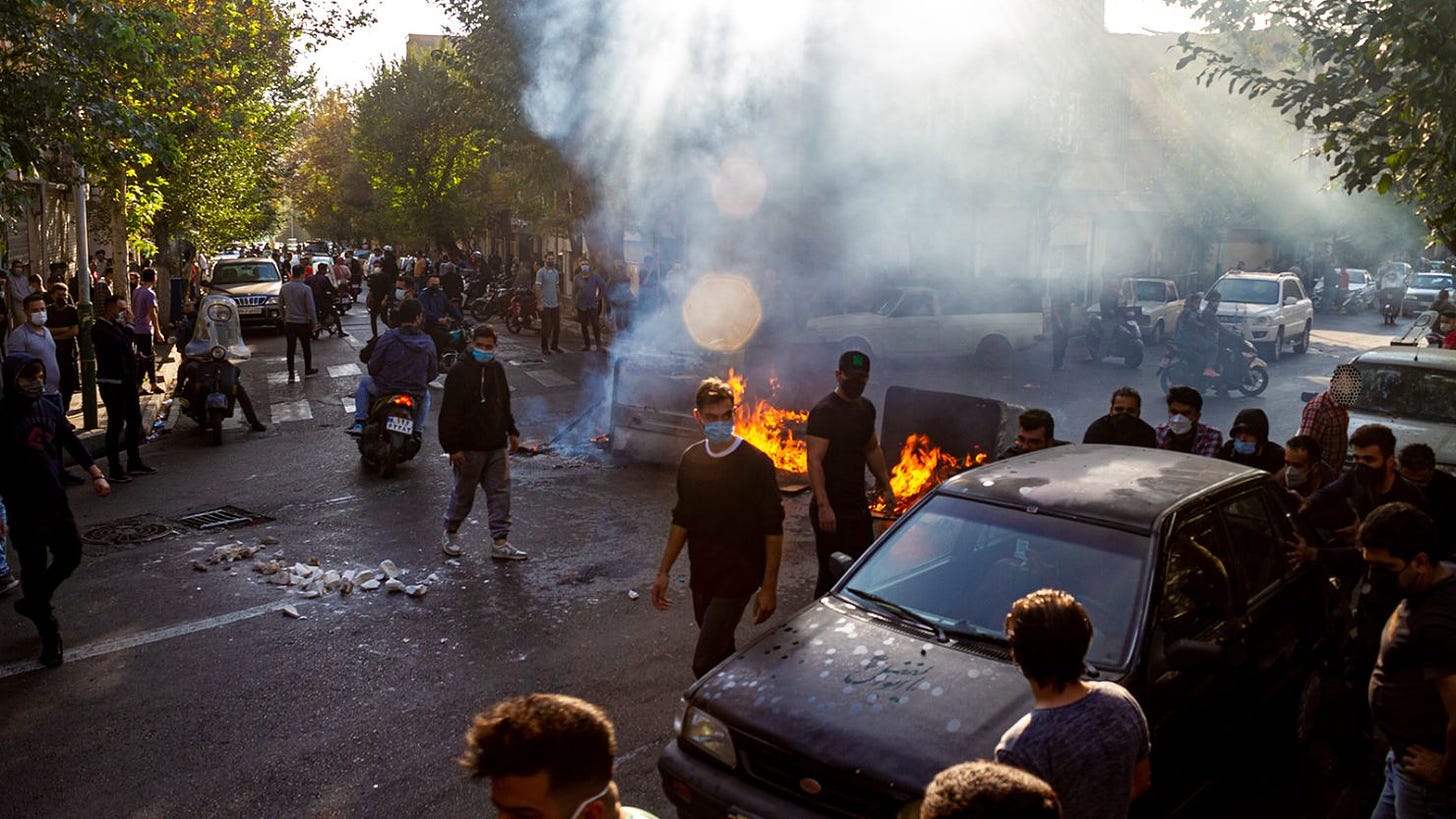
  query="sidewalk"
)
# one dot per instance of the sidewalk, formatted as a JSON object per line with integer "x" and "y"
{"x": 152, "y": 406}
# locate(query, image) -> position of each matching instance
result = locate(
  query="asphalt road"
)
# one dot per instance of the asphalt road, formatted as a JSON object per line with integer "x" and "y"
{"x": 189, "y": 693}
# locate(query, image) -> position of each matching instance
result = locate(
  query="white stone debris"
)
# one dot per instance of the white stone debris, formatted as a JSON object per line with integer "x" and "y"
{"x": 394, "y": 585}
{"x": 632, "y": 594}
{"x": 417, "y": 591}
{"x": 289, "y": 611}
{"x": 198, "y": 565}
{"x": 390, "y": 570}
{"x": 369, "y": 585}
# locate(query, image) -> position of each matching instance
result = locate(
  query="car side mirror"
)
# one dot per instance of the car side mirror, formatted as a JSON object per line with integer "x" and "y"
{"x": 1307, "y": 397}
{"x": 839, "y": 564}
{"x": 1290, "y": 301}
{"x": 1184, "y": 654}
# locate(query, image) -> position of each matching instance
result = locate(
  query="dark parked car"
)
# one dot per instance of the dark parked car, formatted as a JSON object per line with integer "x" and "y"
{"x": 852, "y": 706}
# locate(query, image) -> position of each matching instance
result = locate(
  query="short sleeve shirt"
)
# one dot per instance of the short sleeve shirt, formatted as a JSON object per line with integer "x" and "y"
{"x": 59, "y": 318}
{"x": 549, "y": 280}
{"x": 143, "y": 299}
{"x": 848, "y": 426}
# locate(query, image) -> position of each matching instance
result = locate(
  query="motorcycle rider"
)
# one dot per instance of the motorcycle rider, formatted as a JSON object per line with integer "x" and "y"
{"x": 1189, "y": 332}
{"x": 403, "y": 361}
{"x": 186, "y": 329}
{"x": 324, "y": 294}
{"x": 437, "y": 306}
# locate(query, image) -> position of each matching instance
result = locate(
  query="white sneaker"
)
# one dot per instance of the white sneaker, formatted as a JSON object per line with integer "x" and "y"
{"x": 451, "y": 546}
{"x": 503, "y": 550}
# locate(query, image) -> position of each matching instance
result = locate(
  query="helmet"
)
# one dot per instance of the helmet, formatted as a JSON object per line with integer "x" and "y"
{"x": 389, "y": 248}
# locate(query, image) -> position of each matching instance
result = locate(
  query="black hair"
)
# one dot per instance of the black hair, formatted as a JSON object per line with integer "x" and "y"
{"x": 1183, "y": 394}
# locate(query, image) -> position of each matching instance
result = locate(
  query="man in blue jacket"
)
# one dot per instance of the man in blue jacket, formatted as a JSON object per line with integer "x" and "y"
{"x": 403, "y": 361}
{"x": 436, "y": 304}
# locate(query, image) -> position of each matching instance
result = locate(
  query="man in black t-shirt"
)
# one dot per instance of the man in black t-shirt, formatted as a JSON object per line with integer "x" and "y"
{"x": 841, "y": 442}
{"x": 730, "y": 516}
{"x": 1414, "y": 682}
{"x": 64, "y": 322}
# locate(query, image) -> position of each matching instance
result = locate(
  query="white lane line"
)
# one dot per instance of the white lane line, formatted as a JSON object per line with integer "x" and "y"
{"x": 290, "y": 411}
{"x": 547, "y": 378}
{"x": 341, "y": 370}
{"x": 147, "y": 637}
{"x": 349, "y": 405}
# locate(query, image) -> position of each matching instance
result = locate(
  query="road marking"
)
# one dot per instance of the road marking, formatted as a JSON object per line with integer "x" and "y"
{"x": 548, "y": 378}
{"x": 277, "y": 379}
{"x": 342, "y": 370}
{"x": 290, "y": 411}
{"x": 349, "y": 405}
{"x": 147, "y": 637}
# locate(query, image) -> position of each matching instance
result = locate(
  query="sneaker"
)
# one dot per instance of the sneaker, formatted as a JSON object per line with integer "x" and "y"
{"x": 451, "y": 546}
{"x": 503, "y": 550}
{"x": 8, "y": 583}
{"x": 257, "y": 426}
{"x": 356, "y": 430}
{"x": 292, "y": 378}
{"x": 51, "y": 651}
{"x": 141, "y": 469}
{"x": 118, "y": 477}
{"x": 311, "y": 371}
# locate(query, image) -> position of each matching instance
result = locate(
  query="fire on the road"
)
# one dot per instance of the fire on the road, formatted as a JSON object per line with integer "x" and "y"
{"x": 767, "y": 428}
{"x": 922, "y": 466}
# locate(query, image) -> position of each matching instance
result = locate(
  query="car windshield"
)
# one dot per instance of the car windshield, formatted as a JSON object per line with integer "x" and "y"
{"x": 1407, "y": 392}
{"x": 961, "y": 564}
{"x": 1150, "y": 291}
{"x": 1432, "y": 282}
{"x": 246, "y": 273}
{"x": 1247, "y": 291}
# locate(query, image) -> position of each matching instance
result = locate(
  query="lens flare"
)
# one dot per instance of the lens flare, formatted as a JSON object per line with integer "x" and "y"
{"x": 722, "y": 312}
{"x": 739, "y": 187}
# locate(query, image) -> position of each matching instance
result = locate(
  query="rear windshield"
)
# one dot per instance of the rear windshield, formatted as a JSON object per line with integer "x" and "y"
{"x": 1432, "y": 282}
{"x": 962, "y": 564}
{"x": 1407, "y": 392}
{"x": 245, "y": 273}
{"x": 1248, "y": 291}
{"x": 1150, "y": 291}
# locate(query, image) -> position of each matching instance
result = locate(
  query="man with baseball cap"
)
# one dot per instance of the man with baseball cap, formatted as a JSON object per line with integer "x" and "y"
{"x": 842, "y": 442}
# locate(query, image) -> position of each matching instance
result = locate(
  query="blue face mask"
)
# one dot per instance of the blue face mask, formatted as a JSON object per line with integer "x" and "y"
{"x": 1244, "y": 447}
{"x": 720, "y": 433}
{"x": 482, "y": 355}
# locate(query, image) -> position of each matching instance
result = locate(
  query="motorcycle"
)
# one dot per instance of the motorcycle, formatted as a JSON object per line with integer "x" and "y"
{"x": 344, "y": 298}
{"x": 452, "y": 343}
{"x": 521, "y": 312}
{"x": 1124, "y": 341}
{"x": 389, "y": 436}
{"x": 1242, "y": 369}
{"x": 208, "y": 380}
{"x": 495, "y": 302}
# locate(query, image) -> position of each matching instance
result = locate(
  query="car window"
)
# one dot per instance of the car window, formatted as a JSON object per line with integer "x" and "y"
{"x": 1291, "y": 289}
{"x": 963, "y": 563}
{"x": 1247, "y": 291}
{"x": 916, "y": 304}
{"x": 1407, "y": 392}
{"x": 1430, "y": 282}
{"x": 1257, "y": 544}
{"x": 244, "y": 273}
{"x": 1197, "y": 590}
{"x": 1151, "y": 291}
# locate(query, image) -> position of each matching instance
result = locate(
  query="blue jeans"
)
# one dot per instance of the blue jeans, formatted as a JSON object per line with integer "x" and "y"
{"x": 367, "y": 393}
{"x": 4, "y": 542}
{"x": 1407, "y": 797}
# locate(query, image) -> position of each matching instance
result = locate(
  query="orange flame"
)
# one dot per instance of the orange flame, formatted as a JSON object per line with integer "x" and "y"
{"x": 768, "y": 428}
{"x": 922, "y": 466}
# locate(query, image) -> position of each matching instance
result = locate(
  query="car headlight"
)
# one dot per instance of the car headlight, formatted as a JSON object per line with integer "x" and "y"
{"x": 706, "y": 733}
{"x": 1261, "y": 320}
{"x": 219, "y": 352}
{"x": 272, "y": 300}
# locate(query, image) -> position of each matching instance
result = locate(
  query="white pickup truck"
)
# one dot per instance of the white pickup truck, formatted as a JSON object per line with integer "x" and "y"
{"x": 924, "y": 322}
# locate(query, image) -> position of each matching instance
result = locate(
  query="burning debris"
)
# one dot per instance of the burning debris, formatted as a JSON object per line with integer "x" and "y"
{"x": 771, "y": 429}
{"x": 922, "y": 467}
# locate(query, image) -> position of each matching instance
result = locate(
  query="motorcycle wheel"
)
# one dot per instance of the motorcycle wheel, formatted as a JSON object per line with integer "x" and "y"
{"x": 447, "y": 360}
{"x": 1165, "y": 379}
{"x": 480, "y": 309}
{"x": 387, "y": 465}
{"x": 330, "y": 324}
{"x": 1134, "y": 357}
{"x": 513, "y": 323}
{"x": 1256, "y": 380}
{"x": 214, "y": 428}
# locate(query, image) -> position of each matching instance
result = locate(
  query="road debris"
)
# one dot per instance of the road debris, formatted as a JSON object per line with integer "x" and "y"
{"x": 290, "y": 611}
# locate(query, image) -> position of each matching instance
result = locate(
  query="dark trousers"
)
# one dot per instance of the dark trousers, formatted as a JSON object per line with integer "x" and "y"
{"x": 299, "y": 334}
{"x": 550, "y": 328}
{"x": 375, "y": 309}
{"x": 590, "y": 320}
{"x": 1059, "y": 349}
{"x": 246, "y": 403}
{"x": 853, "y": 533}
{"x": 123, "y": 414}
{"x": 717, "y": 619}
{"x": 146, "y": 356}
{"x": 34, "y": 530}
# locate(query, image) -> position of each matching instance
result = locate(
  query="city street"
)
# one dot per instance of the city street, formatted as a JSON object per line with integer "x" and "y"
{"x": 189, "y": 693}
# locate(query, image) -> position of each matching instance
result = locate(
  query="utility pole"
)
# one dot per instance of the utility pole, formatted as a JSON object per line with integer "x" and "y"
{"x": 84, "y": 306}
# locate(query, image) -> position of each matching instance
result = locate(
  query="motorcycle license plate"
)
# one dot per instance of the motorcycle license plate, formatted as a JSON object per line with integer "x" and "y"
{"x": 404, "y": 426}
{"x": 216, "y": 400}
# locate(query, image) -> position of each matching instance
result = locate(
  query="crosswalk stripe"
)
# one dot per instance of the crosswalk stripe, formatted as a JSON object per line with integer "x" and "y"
{"x": 290, "y": 411}
{"x": 342, "y": 370}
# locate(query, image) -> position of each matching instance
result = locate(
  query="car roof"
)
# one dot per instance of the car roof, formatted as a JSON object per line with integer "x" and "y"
{"x": 1125, "y": 487}
{"x": 253, "y": 259}
{"x": 1431, "y": 358}
{"x": 1253, "y": 274}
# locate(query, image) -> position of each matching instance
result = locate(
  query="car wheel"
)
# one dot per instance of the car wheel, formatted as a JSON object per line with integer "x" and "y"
{"x": 1276, "y": 350}
{"x": 1134, "y": 358}
{"x": 994, "y": 352}
{"x": 1301, "y": 344}
{"x": 1308, "y": 704}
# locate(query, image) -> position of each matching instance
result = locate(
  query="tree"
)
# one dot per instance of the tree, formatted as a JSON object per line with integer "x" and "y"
{"x": 328, "y": 185}
{"x": 1376, "y": 84}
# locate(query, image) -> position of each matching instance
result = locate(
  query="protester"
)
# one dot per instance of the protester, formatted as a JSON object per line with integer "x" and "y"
{"x": 1035, "y": 431}
{"x": 1324, "y": 418}
{"x": 1416, "y": 463}
{"x": 379, "y": 283}
{"x": 438, "y": 312}
{"x": 300, "y": 320}
{"x": 478, "y": 431}
{"x": 620, "y": 298}
{"x": 403, "y": 360}
{"x": 1123, "y": 423}
{"x": 1190, "y": 333}
{"x": 841, "y": 442}
{"x": 33, "y": 432}
{"x": 547, "y": 756}
{"x": 33, "y": 338}
{"x": 1249, "y": 443}
{"x": 17, "y": 287}
{"x": 548, "y": 296}
{"x": 988, "y": 790}
{"x": 1061, "y": 325}
{"x": 63, "y": 321}
{"x": 1304, "y": 472}
{"x": 146, "y": 325}
{"x": 117, "y": 380}
{"x": 1088, "y": 740}
{"x": 731, "y": 518}
{"x": 1373, "y": 482}
{"x": 1183, "y": 432}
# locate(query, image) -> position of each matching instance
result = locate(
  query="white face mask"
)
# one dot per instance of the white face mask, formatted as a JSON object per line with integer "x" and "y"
{"x": 38, "y": 318}
{"x": 1180, "y": 424}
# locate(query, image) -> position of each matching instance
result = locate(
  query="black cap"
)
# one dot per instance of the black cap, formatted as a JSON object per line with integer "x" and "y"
{"x": 854, "y": 362}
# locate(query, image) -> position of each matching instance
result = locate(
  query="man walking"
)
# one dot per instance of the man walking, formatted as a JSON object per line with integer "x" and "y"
{"x": 32, "y": 433}
{"x": 117, "y": 381}
{"x": 729, "y": 515}
{"x": 1088, "y": 740}
{"x": 841, "y": 442}
{"x": 146, "y": 325}
{"x": 548, "y": 295}
{"x": 589, "y": 288}
{"x": 300, "y": 319}
{"x": 478, "y": 432}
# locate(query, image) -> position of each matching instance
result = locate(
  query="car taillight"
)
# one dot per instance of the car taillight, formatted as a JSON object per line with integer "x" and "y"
{"x": 403, "y": 401}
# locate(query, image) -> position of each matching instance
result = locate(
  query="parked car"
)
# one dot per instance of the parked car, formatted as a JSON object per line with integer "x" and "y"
{"x": 1422, "y": 291}
{"x": 1159, "y": 301}
{"x": 254, "y": 283}
{"x": 1410, "y": 389}
{"x": 922, "y": 322}
{"x": 850, "y": 707}
{"x": 1268, "y": 309}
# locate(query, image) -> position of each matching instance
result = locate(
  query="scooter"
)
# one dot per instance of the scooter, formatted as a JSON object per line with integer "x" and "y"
{"x": 1242, "y": 369}
{"x": 452, "y": 343}
{"x": 1125, "y": 340}
{"x": 208, "y": 380}
{"x": 389, "y": 437}
{"x": 521, "y": 312}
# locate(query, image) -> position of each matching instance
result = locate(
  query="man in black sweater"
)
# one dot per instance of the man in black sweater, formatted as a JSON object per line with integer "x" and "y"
{"x": 117, "y": 379}
{"x": 476, "y": 426}
{"x": 729, "y": 514}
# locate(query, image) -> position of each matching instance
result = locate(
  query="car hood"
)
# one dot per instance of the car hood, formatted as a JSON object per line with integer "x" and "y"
{"x": 248, "y": 288}
{"x": 1439, "y": 436}
{"x": 1240, "y": 309}
{"x": 839, "y": 686}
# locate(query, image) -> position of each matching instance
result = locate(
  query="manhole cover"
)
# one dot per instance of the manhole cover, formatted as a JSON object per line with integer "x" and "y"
{"x": 224, "y": 517}
{"x": 119, "y": 535}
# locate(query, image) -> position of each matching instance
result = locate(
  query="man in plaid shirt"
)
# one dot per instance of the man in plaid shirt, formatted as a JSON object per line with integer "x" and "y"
{"x": 1325, "y": 419}
{"x": 1183, "y": 433}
